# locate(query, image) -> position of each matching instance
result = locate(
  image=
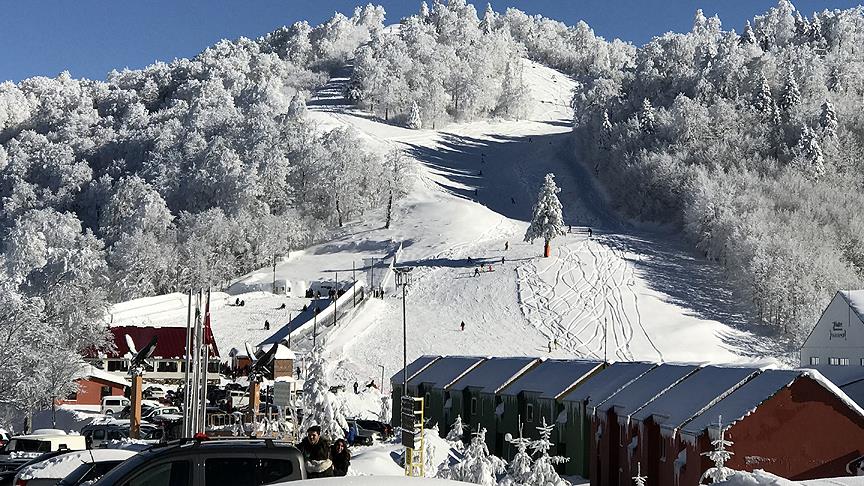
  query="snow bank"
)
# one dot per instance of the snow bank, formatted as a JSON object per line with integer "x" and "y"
{"x": 763, "y": 478}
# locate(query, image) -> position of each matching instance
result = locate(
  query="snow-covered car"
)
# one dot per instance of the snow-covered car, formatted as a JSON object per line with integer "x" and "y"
{"x": 71, "y": 469}
{"x": 4, "y": 437}
{"x": 155, "y": 392}
{"x": 113, "y": 404}
{"x": 162, "y": 413}
{"x": 362, "y": 435}
{"x": 103, "y": 432}
{"x": 34, "y": 445}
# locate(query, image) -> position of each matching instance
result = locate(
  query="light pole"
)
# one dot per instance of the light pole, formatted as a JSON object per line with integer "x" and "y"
{"x": 403, "y": 277}
{"x": 382, "y": 378}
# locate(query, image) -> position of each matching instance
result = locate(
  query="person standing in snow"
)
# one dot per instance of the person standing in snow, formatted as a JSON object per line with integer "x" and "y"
{"x": 506, "y": 245}
{"x": 266, "y": 325}
{"x": 316, "y": 451}
{"x": 341, "y": 457}
{"x": 463, "y": 325}
{"x": 356, "y": 387}
{"x": 550, "y": 346}
{"x": 477, "y": 271}
{"x": 589, "y": 232}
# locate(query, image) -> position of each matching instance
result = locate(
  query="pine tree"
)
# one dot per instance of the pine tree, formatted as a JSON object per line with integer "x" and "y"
{"x": 430, "y": 451}
{"x": 424, "y": 11}
{"x": 543, "y": 472}
{"x": 828, "y": 119}
{"x": 519, "y": 469}
{"x": 719, "y": 455}
{"x": 646, "y": 116}
{"x": 639, "y": 479}
{"x": 791, "y": 95}
{"x": 321, "y": 406}
{"x": 297, "y": 107}
{"x": 488, "y": 22}
{"x": 809, "y": 157}
{"x": 547, "y": 221}
{"x": 415, "y": 122}
{"x": 747, "y": 37}
{"x": 477, "y": 466}
{"x": 457, "y": 431}
{"x": 762, "y": 99}
{"x": 385, "y": 414}
{"x": 605, "y": 131}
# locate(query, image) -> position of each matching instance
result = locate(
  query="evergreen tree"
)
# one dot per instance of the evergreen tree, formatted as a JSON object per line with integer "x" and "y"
{"x": 646, "y": 117}
{"x": 747, "y": 37}
{"x": 320, "y": 405}
{"x": 808, "y": 154}
{"x": 543, "y": 471}
{"x": 488, "y": 22}
{"x": 386, "y": 412}
{"x": 547, "y": 221}
{"x": 639, "y": 479}
{"x": 791, "y": 95}
{"x": 719, "y": 456}
{"x": 763, "y": 101}
{"x": 457, "y": 431}
{"x": 519, "y": 469}
{"x": 828, "y": 119}
{"x": 477, "y": 466}
{"x": 415, "y": 122}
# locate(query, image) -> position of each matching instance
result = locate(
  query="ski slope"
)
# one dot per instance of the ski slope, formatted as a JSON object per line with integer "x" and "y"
{"x": 626, "y": 293}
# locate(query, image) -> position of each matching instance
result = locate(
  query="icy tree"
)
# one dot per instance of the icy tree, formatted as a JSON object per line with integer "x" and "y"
{"x": 519, "y": 469}
{"x": 385, "y": 413}
{"x": 398, "y": 175}
{"x": 477, "y": 466}
{"x": 809, "y": 157}
{"x": 543, "y": 471}
{"x": 547, "y": 221}
{"x": 747, "y": 36}
{"x": 415, "y": 121}
{"x": 430, "y": 451}
{"x": 457, "y": 431}
{"x": 647, "y": 118}
{"x": 321, "y": 407}
{"x": 828, "y": 119}
{"x": 719, "y": 455}
{"x": 762, "y": 99}
{"x": 639, "y": 479}
{"x": 791, "y": 95}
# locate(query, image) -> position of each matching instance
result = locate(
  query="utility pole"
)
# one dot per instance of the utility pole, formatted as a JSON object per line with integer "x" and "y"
{"x": 274, "y": 273}
{"x": 354, "y": 286}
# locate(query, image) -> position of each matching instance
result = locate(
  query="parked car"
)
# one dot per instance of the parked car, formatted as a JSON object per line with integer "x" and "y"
{"x": 161, "y": 412}
{"x": 364, "y": 436}
{"x": 154, "y": 392}
{"x": 96, "y": 434}
{"x": 4, "y": 437}
{"x": 232, "y": 461}
{"x": 11, "y": 464}
{"x": 35, "y": 444}
{"x": 113, "y": 404}
{"x": 147, "y": 406}
{"x": 384, "y": 429}
{"x": 72, "y": 468}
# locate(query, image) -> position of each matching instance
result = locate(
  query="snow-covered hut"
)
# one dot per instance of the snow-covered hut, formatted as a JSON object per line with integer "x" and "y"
{"x": 579, "y": 406}
{"x": 793, "y": 423}
{"x": 93, "y": 384}
{"x": 611, "y": 438}
{"x": 431, "y": 384}
{"x": 535, "y": 395}
{"x": 473, "y": 397}
{"x": 396, "y": 380}
{"x": 837, "y": 339}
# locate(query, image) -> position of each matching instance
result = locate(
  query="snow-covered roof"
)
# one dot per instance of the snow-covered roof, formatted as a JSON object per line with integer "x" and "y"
{"x": 444, "y": 371}
{"x": 742, "y": 401}
{"x": 828, "y": 385}
{"x": 690, "y": 396}
{"x": 645, "y": 388}
{"x": 855, "y": 391}
{"x": 855, "y": 298}
{"x": 282, "y": 351}
{"x": 841, "y": 375}
{"x": 603, "y": 385}
{"x": 552, "y": 377}
{"x": 415, "y": 367}
{"x": 494, "y": 373}
{"x": 91, "y": 371}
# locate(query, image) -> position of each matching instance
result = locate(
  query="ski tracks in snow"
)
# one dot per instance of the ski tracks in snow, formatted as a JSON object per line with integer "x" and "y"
{"x": 585, "y": 298}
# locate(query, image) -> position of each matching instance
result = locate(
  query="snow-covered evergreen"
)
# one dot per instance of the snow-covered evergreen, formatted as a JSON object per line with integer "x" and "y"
{"x": 547, "y": 221}
{"x": 415, "y": 121}
{"x": 520, "y": 467}
{"x": 719, "y": 456}
{"x": 478, "y": 466}
{"x": 639, "y": 479}
{"x": 457, "y": 431}
{"x": 321, "y": 406}
{"x": 543, "y": 470}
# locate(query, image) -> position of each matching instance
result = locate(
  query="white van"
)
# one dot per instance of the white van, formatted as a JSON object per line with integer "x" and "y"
{"x": 45, "y": 443}
{"x": 114, "y": 404}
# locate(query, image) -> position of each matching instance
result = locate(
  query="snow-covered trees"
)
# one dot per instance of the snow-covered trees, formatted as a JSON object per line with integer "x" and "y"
{"x": 520, "y": 467}
{"x": 543, "y": 470}
{"x": 398, "y": 173}
{"x": 547, "y": 221}
{"x": 477, "y": 466}
{"x": 719, "y": 456}
{"x": 320, "y": 405}
{"x": 457, "y": 431}
{"x": 415, "y": 121}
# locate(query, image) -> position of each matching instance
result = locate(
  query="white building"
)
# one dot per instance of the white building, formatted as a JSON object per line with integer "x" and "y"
{"x": 838, "y": 337}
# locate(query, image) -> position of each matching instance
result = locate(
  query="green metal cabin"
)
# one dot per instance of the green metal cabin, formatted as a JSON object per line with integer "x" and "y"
{"x": 473, "y": 396}
{"x": 533, "y": 396}
{"x": 414, "y": 367}
{"x": 431, "y": 384}
{"x": 579, "y": 405}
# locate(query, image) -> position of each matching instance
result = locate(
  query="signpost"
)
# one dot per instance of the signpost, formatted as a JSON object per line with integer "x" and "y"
{"x": 412, "y": 435}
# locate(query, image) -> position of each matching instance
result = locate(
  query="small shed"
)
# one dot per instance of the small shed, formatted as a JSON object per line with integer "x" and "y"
{"x": 610, "y": 436}
{"x": 396, "y": 380}
{"x": 653, "y": 428}
{"x": 792, "y": 423}
{"x": 431, "y": 384}
{"x": 473, "y": 397}
{"x": 579, "y": 406}
{"x": 93, "y": 384}
{"x": 283, "y": 361}
{"x": 281, "y": 287}
{"x": 533, "y": 397}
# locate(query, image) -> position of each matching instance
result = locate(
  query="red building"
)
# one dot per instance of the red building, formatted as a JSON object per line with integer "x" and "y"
{"x": 93, "y": 385}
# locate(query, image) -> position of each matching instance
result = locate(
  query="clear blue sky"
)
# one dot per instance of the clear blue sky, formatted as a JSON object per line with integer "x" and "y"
{"x": 90, "y": 37}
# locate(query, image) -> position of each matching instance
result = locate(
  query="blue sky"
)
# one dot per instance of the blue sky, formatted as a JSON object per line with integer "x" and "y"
{"x": 90, "y": 37}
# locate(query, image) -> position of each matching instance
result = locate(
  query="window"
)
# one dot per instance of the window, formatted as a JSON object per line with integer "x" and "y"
{"x": 167, "y": 367}
{"x": 834, "y": 361}
{"x": 213, "y": 367}
{"x": 118, "y": 365}
{"x": 862, "y": 361}
{"x": 844, "y": 361}
{"x": 662, "y": 449}
{"x": 165, "y": 474}
{"x": 814, "y": 360}
{"x": 622, "y": 433}
{"x": 105, "y": 391}
{"x": 74, "y": 395}
{"x": 473, "y": 406}
{"x": 98, "y": 434}
{"x": 236, "y": 471}
{"x": 272, "y": 470}
{"x": 529, "y": 412}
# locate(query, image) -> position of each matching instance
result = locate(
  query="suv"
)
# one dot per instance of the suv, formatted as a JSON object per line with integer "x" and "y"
{"x": 190, "y": 462}
{"x": 113, "y": 404}
{"x": 363, "y": 436}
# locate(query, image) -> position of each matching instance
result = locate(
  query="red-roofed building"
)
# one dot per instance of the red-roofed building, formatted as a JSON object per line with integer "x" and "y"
{"x": 169, "y": 357}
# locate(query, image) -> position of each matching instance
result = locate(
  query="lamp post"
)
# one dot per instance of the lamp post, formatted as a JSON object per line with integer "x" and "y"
{"x": 403, "y": 277}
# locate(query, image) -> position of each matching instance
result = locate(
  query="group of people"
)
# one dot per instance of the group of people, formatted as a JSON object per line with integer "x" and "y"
{"x": 322, "y": 459}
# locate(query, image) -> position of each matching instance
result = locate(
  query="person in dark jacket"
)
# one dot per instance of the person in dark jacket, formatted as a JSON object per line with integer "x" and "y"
{"x": 316, "y": 452}
{"x": 341, "y": 457}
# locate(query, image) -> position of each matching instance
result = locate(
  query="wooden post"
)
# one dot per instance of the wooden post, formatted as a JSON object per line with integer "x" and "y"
{"x": 135, "y": 409}
{"x": 547, "y": 250}
{"x": 254, "y": 399}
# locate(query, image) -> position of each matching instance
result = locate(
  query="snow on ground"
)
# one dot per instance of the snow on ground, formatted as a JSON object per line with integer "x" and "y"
{"x": 763, "y": 478}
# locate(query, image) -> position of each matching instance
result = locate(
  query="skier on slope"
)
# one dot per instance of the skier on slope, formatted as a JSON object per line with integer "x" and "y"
{"x": 477, "y": 271}
{"x": 463, "y": 325}
{"x": 506, "y": 245}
